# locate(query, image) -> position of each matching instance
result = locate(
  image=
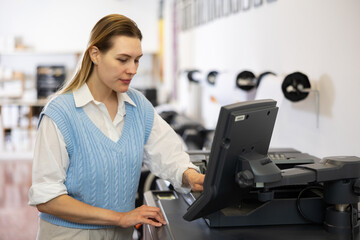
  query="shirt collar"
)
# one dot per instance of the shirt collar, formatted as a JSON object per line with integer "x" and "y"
{"x": 83, "y": 96}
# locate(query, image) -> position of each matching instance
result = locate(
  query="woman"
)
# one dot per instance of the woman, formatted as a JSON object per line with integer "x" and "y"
{"x": 93, "y": 138}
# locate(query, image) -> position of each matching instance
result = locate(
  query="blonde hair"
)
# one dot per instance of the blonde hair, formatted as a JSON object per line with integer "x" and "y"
{"x": 101, "y": 37}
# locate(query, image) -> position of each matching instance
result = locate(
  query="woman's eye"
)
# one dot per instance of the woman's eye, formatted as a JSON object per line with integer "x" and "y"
{"x": 122, "y": 60}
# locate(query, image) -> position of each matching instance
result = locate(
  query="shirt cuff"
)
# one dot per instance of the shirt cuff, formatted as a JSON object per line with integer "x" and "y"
{"x": 44, "y": 192}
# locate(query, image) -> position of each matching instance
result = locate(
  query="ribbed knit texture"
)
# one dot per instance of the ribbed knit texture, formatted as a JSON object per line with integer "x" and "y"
{"x": 102, "y": 173}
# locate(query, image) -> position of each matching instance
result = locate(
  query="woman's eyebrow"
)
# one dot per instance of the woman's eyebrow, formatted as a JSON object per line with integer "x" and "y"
{"x": 127, "y": 55}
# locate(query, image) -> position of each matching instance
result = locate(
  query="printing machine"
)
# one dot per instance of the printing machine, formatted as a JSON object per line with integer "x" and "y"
{"x": 249, "y": 195}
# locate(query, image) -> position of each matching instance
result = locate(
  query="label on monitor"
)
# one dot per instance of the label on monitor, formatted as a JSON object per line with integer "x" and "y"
{"x": 239, "y": 118}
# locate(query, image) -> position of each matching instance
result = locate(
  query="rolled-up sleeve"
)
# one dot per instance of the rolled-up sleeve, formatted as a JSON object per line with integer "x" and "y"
{"x": 50, "y": 164}
{"x": 164, "y": 154}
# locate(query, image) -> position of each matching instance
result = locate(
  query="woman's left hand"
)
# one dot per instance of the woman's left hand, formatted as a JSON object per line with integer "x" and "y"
{"x": 193, "y": 179}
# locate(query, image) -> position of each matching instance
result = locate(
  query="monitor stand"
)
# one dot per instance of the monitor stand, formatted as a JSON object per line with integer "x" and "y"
{"x": 281, "y": 210}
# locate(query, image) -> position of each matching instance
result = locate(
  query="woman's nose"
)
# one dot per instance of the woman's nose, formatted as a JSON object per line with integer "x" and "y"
{"x": 132, "y": 68}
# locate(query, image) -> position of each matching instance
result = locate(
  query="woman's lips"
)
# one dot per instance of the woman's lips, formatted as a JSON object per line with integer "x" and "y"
{"x": 126, "y": 81}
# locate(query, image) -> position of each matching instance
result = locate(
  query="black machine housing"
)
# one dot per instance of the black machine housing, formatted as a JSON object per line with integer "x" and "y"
{"x": 243, "y": 187}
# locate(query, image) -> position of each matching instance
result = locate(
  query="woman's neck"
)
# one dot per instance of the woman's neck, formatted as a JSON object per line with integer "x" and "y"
{"x": 104, "y": 94}
{"x": 99, "y": 90}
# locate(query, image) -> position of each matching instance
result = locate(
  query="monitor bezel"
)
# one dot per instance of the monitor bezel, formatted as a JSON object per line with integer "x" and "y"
{"x": 234, "y": 115}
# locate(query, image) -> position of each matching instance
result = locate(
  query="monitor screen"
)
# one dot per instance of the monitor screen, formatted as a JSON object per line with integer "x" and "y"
{"x": 240, "y": 145}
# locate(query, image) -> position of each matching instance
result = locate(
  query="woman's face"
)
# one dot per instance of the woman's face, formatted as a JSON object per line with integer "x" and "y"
{"x": 118, "y": 65}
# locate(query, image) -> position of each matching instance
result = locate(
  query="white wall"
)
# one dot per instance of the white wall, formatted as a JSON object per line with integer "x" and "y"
{"x": 319, "y": 38}
{"x": 65, "y": 25}
{"x": 56, "y": 31}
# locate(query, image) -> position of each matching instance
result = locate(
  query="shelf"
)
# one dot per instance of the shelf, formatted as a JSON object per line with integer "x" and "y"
{"x": 5, "y": 80}
{"x": 15, "y": 77}
{"x": 20, "y": 102}
{"x": 39, "y": 52}
{"x": 10, "y": 156}
{"x": 49, "y": 52}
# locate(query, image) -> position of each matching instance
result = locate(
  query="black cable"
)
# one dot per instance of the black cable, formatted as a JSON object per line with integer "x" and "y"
{"x": 351, "y": 221}
{"x": 298, "y": 203}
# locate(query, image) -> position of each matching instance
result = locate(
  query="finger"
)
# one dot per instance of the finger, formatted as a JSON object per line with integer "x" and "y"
{"x": 158, "y": 211}
{"x": 161, "y": 215}
{"x": 152, "y": 222}
{"x": 150, "y": 208}
{"x": 198, "y": 179}
{"x": 158, "y": 216}
{"x": 197, "y": 188}
{"x": 155, "y": 210}
{"x": 151, "y": 212}
{"x": 153, "y": 218}
{"x": 201, "y": 179}
{"x": 161, "y": 219}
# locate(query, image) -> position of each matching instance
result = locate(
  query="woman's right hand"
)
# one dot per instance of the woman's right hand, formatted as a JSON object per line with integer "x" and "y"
{"x": 143, "y": 215}
{"x": 73, "y": 210}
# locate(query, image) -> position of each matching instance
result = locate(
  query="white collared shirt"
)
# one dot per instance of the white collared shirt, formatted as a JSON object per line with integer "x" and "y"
{"x": 163, "y": 152}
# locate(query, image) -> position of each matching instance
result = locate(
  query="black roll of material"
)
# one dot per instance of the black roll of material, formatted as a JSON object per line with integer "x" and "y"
{"x": 191, "y": 77}
{"x": 246, "y": 80}
{"x": 294, "y": 86}
{"x": 211, "y": 77}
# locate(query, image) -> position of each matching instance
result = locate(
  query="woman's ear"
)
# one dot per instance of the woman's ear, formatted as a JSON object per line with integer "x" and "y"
{"x": 94, "y": 54}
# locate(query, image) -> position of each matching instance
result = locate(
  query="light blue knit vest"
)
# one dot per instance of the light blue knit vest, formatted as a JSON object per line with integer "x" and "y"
{"x": 102, "y": 173}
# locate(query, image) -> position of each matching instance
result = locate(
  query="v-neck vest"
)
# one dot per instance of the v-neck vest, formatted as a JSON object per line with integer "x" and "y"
{"x": 101, "y": 172}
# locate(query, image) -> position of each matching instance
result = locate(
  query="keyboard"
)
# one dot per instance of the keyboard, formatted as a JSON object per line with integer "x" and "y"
{"x": 277, "y": 156}
{"x": 291, "y": 158}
